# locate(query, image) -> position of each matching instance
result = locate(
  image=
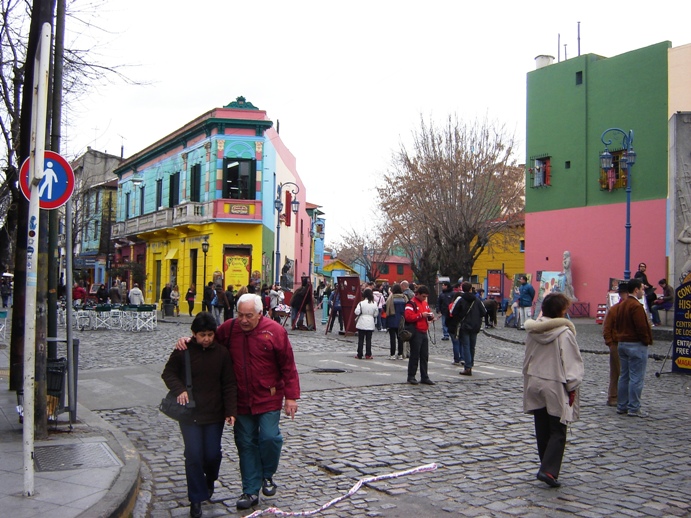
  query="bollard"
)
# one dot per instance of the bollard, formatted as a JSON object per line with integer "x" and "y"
{"x": 325, "y": 310}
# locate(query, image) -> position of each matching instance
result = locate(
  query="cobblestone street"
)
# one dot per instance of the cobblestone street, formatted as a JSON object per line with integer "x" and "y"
{"x": 473, "y": 428}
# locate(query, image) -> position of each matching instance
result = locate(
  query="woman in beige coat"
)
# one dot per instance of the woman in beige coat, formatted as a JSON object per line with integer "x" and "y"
{"x": 552, "y": 373}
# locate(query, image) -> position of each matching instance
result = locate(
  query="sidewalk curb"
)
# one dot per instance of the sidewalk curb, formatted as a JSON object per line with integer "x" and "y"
{"x": 658, "y": 334}
{"x": 122, "y": 495}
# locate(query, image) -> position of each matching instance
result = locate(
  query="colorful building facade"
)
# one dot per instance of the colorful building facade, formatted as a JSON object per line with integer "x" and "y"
{"x": 571, "y": 203}
{"x": 201, "y": 204}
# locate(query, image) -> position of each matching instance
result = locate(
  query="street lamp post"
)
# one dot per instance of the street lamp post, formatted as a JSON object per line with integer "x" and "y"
{"x": 205, "y": 249}
{"x": 626, "y": 160}
{"x": 278, "y": 205}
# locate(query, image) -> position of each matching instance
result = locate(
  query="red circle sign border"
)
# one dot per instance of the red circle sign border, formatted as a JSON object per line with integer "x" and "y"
{"x": 59, "y": 202}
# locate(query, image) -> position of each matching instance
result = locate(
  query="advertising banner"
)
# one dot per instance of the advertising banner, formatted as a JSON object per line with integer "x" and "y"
{"x": 681, "y": 356}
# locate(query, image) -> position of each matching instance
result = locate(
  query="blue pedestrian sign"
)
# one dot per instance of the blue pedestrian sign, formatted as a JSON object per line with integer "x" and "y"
{"x": 57, "y": 184}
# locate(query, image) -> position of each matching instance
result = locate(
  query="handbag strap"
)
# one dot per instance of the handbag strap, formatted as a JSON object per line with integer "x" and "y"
{"x": 188, "y": 375}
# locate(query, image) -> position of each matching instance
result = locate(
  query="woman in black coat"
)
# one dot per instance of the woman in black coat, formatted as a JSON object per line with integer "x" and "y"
{"x": 214, "y": 390}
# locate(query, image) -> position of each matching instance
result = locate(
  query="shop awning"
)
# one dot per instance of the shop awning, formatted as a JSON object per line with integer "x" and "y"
{"x": 172, "y": 254}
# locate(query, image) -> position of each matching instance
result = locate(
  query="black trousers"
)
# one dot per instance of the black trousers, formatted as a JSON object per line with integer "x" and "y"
{"x": 551, "y": 441}
{"x": 364, "y": 336}
{"x": 419, "y": 352}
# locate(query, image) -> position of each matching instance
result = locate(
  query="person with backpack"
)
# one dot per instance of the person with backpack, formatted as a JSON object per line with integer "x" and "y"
{"x": 219, "y": 303}
{"x": 469, "y": 313}
{"x": 446, "y": 296}
{"x": 452, "y": 326}
{"x": 208, "y": 295}
{"x": 395, "y": 307}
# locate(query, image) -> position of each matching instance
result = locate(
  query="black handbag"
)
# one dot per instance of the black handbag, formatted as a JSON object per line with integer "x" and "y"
{"x": 406, "y": 329}
{"x": 169, "y": 404}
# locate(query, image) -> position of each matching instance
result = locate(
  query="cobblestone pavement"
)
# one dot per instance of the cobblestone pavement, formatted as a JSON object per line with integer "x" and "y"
{"x": 472, "y": 428}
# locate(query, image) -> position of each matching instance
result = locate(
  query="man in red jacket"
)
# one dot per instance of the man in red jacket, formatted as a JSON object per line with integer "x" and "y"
{"x": 266, "y": 376}
{"x": 418, "y": 313}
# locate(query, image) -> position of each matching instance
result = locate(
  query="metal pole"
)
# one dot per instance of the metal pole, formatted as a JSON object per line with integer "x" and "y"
{"x": 36, "y": 164}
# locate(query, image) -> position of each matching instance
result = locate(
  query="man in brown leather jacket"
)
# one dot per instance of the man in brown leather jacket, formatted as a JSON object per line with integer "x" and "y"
{"x": 634, "y": 335}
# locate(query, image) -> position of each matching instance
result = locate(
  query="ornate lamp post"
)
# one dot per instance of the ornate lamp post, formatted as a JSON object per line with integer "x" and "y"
{"x": 626, "y": 160}
{"x": 278, "y": 205}
{"x": 205, "y": 249}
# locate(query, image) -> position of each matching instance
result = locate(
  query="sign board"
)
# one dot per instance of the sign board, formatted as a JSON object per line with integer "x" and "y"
{"x": 681, "y": 356}
{"x": 57, "y": 184}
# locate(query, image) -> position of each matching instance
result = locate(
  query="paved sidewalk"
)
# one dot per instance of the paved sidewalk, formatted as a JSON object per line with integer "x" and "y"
{"x": 90, "y": 471}
{"x": 359, "y": 418}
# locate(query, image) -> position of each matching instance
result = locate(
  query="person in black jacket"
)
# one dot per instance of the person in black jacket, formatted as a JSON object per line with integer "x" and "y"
{"x": 214, "y": 390}
{"x": 208, "y": 296}
{"x": 469, "y": 313}
{"x": 446, "y": 296}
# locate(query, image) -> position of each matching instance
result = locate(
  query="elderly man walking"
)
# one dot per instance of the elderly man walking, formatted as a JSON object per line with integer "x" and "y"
{"x": 267, "y": 380}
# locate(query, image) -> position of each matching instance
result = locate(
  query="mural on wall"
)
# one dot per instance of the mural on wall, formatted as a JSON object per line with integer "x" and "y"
{"x": 548, "y": 282}
{"x": 288, "y": 274}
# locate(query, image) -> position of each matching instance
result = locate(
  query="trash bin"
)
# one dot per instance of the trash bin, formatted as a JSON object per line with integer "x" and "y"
{"x": 55, "y": 386}
{"x": 168, "y": 309}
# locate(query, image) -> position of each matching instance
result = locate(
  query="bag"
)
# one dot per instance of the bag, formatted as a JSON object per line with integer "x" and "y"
{"x": 405, "y": 329}
{"x": 214, "y": 301}
{"x": 169, "y": 404}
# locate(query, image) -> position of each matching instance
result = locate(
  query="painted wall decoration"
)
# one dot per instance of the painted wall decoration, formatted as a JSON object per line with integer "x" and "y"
{"x": 548, "y": 282}
{"x": 237, "y": 267}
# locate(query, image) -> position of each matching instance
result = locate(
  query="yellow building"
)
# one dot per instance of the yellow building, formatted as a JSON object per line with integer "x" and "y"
{"x": 504, "y": 254}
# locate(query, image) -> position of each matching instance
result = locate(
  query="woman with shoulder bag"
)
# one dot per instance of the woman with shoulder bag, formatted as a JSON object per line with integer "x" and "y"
{"x": 214, "y": 391}
{"x": 552, "y": 374}
{"x": 366, "y": 311}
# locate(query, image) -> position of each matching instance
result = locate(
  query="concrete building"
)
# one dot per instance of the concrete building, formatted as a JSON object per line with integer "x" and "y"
{"x": 571, "y": 203}
{"x": 94, "y": 208}
{"x": 200, "y": 205}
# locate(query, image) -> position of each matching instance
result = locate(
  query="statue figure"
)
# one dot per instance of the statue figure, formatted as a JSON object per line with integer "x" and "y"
{"x": 568, "y": 279}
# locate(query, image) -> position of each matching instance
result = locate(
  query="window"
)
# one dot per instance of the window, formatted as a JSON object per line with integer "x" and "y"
{"x": 159, "y": 194}
{"x": 579, "y": 77}
{"x": 541, "y": 172}
{"x": 127, "y": 206}
{"x": 96, "y": 201}
{"x": 567, "y": 164}
{"x": 384, "y": 269}
{"x": 239, "y": 179}
{"x": 97, "y": 228}
{"x": 614, "y": 178}
{"x": 174, "y": 192}
{"x": 141, "y": 200}
{"x": 399, "y": 269}
{"x": 521, "y": 246}
{"x": 195, "y": 182}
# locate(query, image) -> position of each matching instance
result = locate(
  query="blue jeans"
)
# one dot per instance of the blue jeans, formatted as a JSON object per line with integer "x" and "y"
{"x": 296, "y": 318}
{"x": 633, "y": 358}
{"x": 202, "y": 457}
{"x": 457, "y": 349}
{"x": 444, "y": 329}
{"x": 259, "y": 442}
{"x": 468, "y": 347}
{"x": 655, "y": 312}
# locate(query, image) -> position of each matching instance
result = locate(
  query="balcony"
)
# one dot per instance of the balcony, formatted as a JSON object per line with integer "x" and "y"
{"x": 190, "y": 213}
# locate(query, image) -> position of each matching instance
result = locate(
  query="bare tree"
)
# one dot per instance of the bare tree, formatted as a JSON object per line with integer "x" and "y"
{"x": 83, "y": 72}
{"x": 457, "y": 186}
{"x": 368, "y": 249}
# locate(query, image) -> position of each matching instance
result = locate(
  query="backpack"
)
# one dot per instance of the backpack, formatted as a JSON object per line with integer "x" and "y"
{"x": 214, "y": 301}
{"x": 406, "y": 329}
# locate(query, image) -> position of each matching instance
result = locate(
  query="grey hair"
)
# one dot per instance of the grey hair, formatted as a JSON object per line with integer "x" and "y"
{"x": 254, "y": 299}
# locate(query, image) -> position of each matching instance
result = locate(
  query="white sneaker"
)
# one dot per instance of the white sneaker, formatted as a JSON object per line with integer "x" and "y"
{"x": 392, "y": 357}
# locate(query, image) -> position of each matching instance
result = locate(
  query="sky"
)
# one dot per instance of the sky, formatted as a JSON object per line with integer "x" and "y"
{"x": 348, "y": 81}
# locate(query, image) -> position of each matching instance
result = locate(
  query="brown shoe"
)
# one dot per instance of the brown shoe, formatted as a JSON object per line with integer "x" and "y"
{"x": 466, "y": 372}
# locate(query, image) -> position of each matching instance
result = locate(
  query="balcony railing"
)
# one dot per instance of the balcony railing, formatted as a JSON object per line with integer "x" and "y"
{"x": 190, "y": 213}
